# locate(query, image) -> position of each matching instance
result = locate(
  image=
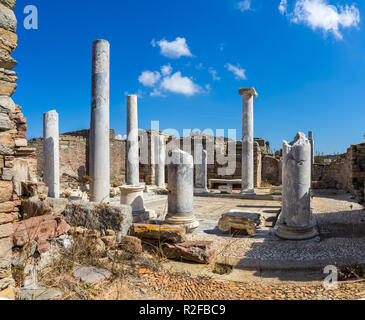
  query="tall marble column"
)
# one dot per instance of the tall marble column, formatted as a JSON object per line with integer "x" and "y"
{"x": 99, "y": 126}
{"x": 132, "y": 192}
{"x": 181, "y": 190}
{"x": 160, "y": 154}
{"x": 295, "y": 222}
{"x": 51, "y": 153}
{"x": 247, "y": 94}
{"x": 311, "y": 140}
{"x": 132, "y": 141}
{"x": 201, "y": 167}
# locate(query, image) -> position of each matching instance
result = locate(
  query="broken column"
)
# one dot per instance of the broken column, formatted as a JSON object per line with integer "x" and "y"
{"x": 181, "y": 190}
{"x": 132, "y": 192}
{"x": 99, "y": 126}
{"x": 160, "y": 154}
{"x": 51, "y": 153}
{"x": 247, "y": 94}
{"x": 201, "y": 167}
{"x": 295, "y": 222}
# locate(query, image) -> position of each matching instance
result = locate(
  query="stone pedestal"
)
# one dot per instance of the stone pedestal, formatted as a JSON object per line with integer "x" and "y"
{"x": 295, "y": 222}
{"x": 99, "y": 126}
{"x": 133, "y": 196}
{"x": 181, "y": 191}
{"x": 51, "y": 153}
{"x": 201, "y": 168}
{"x": 160, "y": 160}
{"x": 247, "y": 94}
{"x": 132, "y": 177}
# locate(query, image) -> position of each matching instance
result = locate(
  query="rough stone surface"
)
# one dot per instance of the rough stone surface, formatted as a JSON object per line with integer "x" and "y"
{"x": 242, "y": 221}
{"x": 131, "y": 244}
{"x": 33, "y": 207}
{"x": 40, "y": 229}
{"x": 158, "y": 232}
{"x": 195, "y": 251}
{"x": 40, "y": 292}
{"x": 100, "y": 217}
{"x": 92, "y": 275}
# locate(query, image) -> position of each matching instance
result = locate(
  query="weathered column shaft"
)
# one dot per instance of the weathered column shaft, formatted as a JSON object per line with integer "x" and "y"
{"x": 99, "y": 127}
{"x": 181, "y": 190}
{"x": 295, "y": 219}
{"x": 51, "y": 153}
{"x": 132, "y": 142}
{"x": 247, "y": 94}
{"x": 201, "y": 166}
{"x": 160, "y": 154}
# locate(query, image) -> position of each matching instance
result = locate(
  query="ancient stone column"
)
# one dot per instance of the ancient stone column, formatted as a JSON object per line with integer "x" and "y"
{"x": 247, "y": 94}
{"x": 295, "y": 222}
{"x": 132, "y": 142}
{"x": 201, "y": 167}
{"x": 181, "y": 190}
{"x": 99, "y": 126}
{"x": 132, "y": 192}
{"x": 160, "y": 154}
{"x": 310, "y": 138}
{"x": 51, "y": 153}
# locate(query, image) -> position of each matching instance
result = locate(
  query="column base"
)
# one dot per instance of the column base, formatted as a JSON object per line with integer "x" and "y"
{"x": 296, "y": 233}
{"x": 201, "y": 191}
{"x": 133, "y": 196}
{"x": 144, "y": 216}
{"x": 189, "y": 223}
{"x": 248, "y": 191}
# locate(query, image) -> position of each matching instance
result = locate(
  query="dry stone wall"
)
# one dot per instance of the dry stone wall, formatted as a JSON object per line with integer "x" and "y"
{"x": 17, "y": 161}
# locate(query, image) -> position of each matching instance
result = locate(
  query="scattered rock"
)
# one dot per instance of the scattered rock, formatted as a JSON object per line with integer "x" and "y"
{"x": 131, "y": 244}
{"x": 195, "y": 251}
{"x": 40, "y": 229}
{"x": 92, "y": 275}
{"x": 100, "y": 217}
{"x": 110, "y": 241}
{"x": 8, "y": 294}
{"x": 245, "y": 222}
{"x": 158, "y": 232}
{"x": 41, "y": 292}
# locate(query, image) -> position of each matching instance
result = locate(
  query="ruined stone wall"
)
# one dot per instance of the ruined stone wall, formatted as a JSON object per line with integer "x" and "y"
{"x": 74, "y": 160}
{"x": 331, "y": 176}
{"x": 355, "y": 165}
{"x": 17, "y": 161}
{"x": 74, "y": 157}
{"x": 271, "y": 170}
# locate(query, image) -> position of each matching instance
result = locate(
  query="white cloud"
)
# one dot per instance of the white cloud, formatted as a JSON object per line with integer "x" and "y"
{"x": 240, "y": 74}
{"x": 166, "y": 70}
{"x": 120, "y": 137}
{"x": 214, "y": 74}
{"x": 244, "y": 5}
{"x": 149, "y": 78}
{"x": 179, "y": 84}
{"x": 283, "y": 6}
{"x": 174, "y": 49}
{"x": 319, "y": 14}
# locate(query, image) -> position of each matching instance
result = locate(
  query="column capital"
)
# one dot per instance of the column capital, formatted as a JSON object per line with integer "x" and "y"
{"x": 248, "y": 91}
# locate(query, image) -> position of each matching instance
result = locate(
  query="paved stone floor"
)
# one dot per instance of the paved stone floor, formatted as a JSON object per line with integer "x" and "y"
{"x": 339, "y": 218}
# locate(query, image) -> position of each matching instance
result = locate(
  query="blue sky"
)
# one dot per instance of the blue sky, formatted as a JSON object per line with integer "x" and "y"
{"x": 187, "y": 59}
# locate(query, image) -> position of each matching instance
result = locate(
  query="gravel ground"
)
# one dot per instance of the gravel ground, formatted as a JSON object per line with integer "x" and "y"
{"x": 167, "y": 285}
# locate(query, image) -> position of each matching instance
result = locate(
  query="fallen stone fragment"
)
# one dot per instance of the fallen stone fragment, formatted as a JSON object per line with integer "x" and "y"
{"x": 41, "y": 229}
{"x": 131, "y": 244}
{"x": 245, "y": 222}
{"x": 195, "y": 251}
{"x": 101, "y": 217}
{"x": 225, "y": 189}
{"x": 92, "y": 275}
{"x": 158, "y": 232}
{"x": 40, "y": 292}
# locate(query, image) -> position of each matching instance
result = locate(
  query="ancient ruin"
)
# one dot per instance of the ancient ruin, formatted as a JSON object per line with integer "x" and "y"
{"x": 159, "y": 214}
